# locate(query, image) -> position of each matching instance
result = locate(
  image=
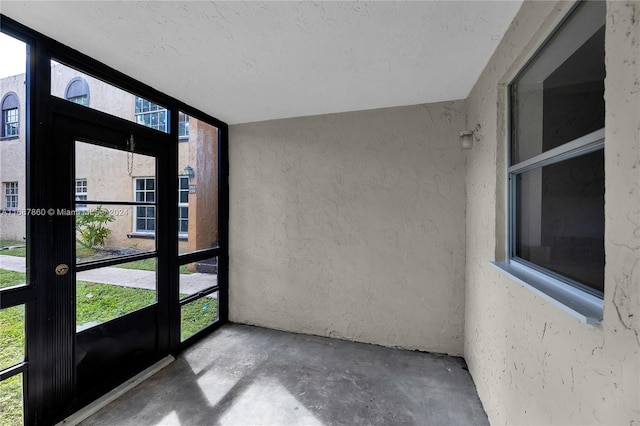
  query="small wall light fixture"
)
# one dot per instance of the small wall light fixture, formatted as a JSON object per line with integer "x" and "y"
{"x": 467, "y": 137}
{"x": 188, "y": 170}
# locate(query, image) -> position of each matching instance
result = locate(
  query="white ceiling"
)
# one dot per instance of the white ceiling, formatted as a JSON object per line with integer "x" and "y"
{"x": 253, "y": 61}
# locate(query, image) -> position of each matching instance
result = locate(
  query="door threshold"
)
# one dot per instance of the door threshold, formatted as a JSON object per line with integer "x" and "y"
{"x": 116, "y": 393}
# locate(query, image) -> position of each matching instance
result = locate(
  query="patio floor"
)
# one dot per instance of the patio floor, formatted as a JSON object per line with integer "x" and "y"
{"x": 250, "y": 375}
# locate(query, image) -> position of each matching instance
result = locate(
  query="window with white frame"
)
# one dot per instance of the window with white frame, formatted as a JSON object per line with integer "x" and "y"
{"x": 81, "y": 194}
{"x": 183, "y": 205}
{"x": 144, "y": 219}
{"x": 11, "y": 195}
{"x": 10, "y": 116}
{"x": 556, "y": 170}
{"x": 183, "y": 126}
{"x": 145, "y": 216}
{"x": 151, "y": 115}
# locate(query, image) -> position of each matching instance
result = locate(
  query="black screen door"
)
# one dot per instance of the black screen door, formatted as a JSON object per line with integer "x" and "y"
{"x": 110, "y": 300}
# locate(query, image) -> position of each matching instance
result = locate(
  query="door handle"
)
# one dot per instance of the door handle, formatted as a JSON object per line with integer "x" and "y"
{"x": 62, "y": 269}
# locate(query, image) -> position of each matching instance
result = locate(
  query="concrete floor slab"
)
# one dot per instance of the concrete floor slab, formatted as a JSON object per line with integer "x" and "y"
{"x": 244, "y": 375}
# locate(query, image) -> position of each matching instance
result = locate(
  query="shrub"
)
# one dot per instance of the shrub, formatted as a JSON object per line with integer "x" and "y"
{"x": 92, "y": 227}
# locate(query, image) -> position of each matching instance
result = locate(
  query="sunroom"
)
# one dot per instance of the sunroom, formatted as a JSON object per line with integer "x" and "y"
{"x": 316, "y": 213}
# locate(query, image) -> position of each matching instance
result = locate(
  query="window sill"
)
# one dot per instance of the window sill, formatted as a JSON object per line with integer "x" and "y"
{"x": 8, "y": 138}
{"x": 144, "y": 235}
{"x": 577, "y": 303}
{"x": 151, "y": 236}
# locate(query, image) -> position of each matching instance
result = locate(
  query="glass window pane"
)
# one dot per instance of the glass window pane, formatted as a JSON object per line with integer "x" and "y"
{"x": 103, "y": 294}
{"x": 559, "y": 96}
{"x": 198, "y": 182}
{"x": 13, "y": 264}
{"x": 11, "y": 401}
{"x": 196, "y": 315}
{"x": 183, "y": 126}
{"x": 560, "y": 218}
{"x": 112, "y": 175}
{"x": 12, "y": 334}
{"x": 105, "y": 97}
{"x": 198, "y": 276}
{"x": 105, "y": 232}
{"x": 13, "y": 102}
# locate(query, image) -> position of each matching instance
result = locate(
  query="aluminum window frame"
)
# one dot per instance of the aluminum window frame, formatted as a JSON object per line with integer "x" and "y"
{"x": 576, "y": 299}
{"x": 583, "y": 145}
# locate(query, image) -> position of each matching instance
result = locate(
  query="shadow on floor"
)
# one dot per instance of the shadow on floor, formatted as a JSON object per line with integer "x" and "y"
{"x": 250, "y": 375}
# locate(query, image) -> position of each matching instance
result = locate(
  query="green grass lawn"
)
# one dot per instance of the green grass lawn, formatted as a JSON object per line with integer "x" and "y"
{"x": 94, "y": 303}
{"x": 11, "y": 278}
{"x": 11, "y": 401}
{"x": 21, "y": 252}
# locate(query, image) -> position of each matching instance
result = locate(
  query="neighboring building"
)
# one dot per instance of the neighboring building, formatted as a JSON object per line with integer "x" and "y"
{"x": 12, "y": 157}
{"x": 111, "y": 175}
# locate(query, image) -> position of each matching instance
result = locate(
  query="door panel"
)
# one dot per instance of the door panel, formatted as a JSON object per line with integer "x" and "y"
{"x": 112, "y": 304}
{"x": 110, "y": 352}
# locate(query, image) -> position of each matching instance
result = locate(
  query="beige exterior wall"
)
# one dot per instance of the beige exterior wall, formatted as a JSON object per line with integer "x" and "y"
{"x": 203, "y": 204}
{"x": 12, "y": 163}
{"x": 532, "y": 362}
{"x": 102, "y": 96}
{"x": 351, "y": 226}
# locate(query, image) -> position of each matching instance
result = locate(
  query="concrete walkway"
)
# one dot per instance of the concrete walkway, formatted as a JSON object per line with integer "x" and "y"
{"x": 189, "y": 283}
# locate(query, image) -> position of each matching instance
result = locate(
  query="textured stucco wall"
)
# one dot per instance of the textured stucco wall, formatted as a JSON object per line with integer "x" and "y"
{"x": 532, "y": 362}
{"x": 351, "y": 225}
{"x": 13, "y": 162}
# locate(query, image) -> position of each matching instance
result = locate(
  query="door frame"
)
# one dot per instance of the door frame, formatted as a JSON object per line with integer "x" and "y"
{"x": 70, "y": 122}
